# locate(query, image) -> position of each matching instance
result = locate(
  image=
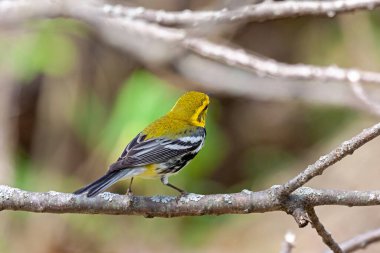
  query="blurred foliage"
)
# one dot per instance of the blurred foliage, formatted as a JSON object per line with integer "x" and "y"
{"x": 23, "y": 172}
{"x": 323, "y": 121}
{"x": 265, "y": 161}
{"x": 47, "y": 49}
{"x": 311, "y": 50}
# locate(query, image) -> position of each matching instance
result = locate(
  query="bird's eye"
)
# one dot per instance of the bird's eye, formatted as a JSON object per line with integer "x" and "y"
{"x": 200, "y": 117}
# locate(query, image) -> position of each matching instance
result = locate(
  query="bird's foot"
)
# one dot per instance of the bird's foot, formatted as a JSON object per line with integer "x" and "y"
{"x": 130, "y": 195}
{"x": 182, "y": 194}
{"x": 129, "y": 192}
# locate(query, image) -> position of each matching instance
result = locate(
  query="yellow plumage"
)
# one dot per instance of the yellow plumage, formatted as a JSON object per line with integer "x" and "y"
{"x": 189, "y": 111}
{"x": 150, "y": 172}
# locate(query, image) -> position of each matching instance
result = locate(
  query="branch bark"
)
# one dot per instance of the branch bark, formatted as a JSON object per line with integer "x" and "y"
{"x": 264, "y": 11}
{"x": 170, "y": 206}
{"x": 289, "y": 197}
{"x": 360, "y": 241}
{"x": 134, "y": 36}
{"x": 362, "y": 95}
{"x": 346, "y": 148}
{"x": 326, "y": 236}
{"x": 271, "y": 68}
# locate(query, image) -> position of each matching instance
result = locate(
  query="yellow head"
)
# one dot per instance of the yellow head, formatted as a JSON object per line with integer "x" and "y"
{"x": 191, "y": 107}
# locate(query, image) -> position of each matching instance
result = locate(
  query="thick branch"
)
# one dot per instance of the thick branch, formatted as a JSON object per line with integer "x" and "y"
{"x": 266, "y": 10}
{"x": 346, "y": 148}
{"x": 191, "y": 205}
{"x": 326, "y": 236}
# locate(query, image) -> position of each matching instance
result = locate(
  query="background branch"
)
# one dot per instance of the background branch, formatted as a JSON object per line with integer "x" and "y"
{"x": 267, "y": 10}
{"x": 360, "y": 241}
{"x": 230, "y": 56}
{"x": 269, "y": 67}
{"x": 314, "y": 83}
{"x": 288, "y": 243}
{"x": 362, "y": 95}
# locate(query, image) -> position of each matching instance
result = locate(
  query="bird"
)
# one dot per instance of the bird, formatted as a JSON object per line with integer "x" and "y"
{"x": 162, "y": 149}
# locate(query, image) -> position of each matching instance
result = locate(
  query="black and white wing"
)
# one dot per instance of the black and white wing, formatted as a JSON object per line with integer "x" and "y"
{"x": 141, "y": 152}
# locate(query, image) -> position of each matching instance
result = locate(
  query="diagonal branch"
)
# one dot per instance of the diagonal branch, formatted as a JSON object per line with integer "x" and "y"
{"x": 360, "y": 241}
{"x": 326, "y": 236}
{"x": 264, "y": 11}
{"x": 362, "y": 95}
{"x": 346, "y": 148}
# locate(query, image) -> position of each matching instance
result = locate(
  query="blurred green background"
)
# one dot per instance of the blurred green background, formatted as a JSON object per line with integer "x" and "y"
{"x": 72, "y": 103}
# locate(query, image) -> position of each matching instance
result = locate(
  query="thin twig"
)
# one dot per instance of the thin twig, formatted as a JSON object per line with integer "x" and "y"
{"x": 266, "y": 10}
{"x": 326, "y": 236}
{"x": 268, "y": 67}
{"x": 288, "y": 243}
{"x": 360, "y": 241}
{"x": 317, "y": 168}
{"x": 361, "y": 94}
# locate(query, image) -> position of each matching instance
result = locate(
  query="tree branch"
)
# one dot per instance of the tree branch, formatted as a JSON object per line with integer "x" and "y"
{"x": 268, "y": 67}
{"x": 263, "y": 67}
{"x": 133, "y": 36}
{"x": 12, "y": 11}
{"x": 360, "y": 241}
{"x": 362, "y": 95}
{"x": 326, "y": 236}
{"x": 170, "y": 206}
{"x": 346, "y": 148}
{"x": 288, "y": 243}
{"x": 264, "y": 11}
{"x": 288, "y": 197}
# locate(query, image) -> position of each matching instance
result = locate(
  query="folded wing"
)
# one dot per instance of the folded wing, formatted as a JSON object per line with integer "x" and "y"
{"x": 141, "y": 152}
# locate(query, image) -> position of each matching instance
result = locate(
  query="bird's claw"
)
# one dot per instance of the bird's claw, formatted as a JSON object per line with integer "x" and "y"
{"x": 182, "y": 194}
{"x": 130, "y": 195}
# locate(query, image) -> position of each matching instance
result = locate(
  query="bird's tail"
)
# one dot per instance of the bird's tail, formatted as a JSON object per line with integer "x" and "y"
{"x": 106, "y": 181}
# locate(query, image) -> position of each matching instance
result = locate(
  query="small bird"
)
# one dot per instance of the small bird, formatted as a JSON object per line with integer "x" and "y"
{"x": 162, "y": 148}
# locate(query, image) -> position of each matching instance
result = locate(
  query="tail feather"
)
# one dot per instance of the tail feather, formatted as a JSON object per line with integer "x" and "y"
{"x": 106, "y": 181}
{"x": 99, "y": 184}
